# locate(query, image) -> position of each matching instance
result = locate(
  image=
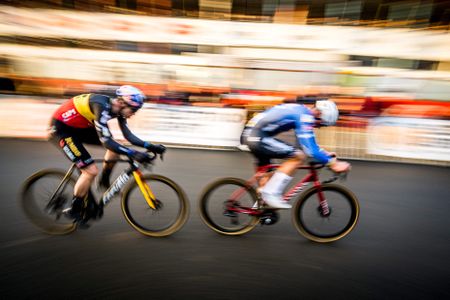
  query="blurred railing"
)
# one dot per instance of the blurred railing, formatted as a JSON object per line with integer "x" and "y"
{"x": 352, "y": 142}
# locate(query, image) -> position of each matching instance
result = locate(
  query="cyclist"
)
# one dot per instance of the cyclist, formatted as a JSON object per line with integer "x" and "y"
{"x": 259, "y": 134}
{"x": 83, "y": 120}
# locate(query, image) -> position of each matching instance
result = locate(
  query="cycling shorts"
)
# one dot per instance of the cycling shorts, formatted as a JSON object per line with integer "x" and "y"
{"x": 264, "y": 148}
{"x": 71, "y": 140}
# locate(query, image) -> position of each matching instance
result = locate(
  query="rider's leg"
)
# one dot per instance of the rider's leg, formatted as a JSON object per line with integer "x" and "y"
{"x": 70, "y": 141}
{"x": 81, "y": 190}
{"x": 283, "y": 175}
{"x": 109, "y": 162}
{"x": 273, "y": 189}
{"x": 85, "y": 180}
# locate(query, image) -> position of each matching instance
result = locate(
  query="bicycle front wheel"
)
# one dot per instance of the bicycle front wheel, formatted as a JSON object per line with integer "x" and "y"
{"x": 309, "y": 220}
{"x": 172, "y": 207}
{"x": 222, "y": 194}
{"x": 38, "y": 205}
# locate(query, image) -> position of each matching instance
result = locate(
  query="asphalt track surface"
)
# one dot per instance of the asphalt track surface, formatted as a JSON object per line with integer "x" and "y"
{"x": 399, "y": 249}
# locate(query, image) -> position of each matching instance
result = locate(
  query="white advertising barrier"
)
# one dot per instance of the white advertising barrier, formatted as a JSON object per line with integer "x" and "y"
{"x": 409, "y": 138}
{"x": 25, "y": 118}
{"x": 187, "y": 125}
{"x": 178, "y": 125}
{"x": 418, "y": 44}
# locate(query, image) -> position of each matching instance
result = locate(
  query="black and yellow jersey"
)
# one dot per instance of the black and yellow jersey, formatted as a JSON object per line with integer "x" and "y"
{"x": 94, "y": 110}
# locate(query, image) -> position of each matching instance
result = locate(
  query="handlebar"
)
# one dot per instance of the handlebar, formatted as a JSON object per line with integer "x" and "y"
{"x": 336, "y": 176}
{"x": 152, "y": 156}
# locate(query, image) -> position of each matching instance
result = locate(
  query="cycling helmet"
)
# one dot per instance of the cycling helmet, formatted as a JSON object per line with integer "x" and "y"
{"x": 131, "y": 96}
{"x": 329, "y": 112}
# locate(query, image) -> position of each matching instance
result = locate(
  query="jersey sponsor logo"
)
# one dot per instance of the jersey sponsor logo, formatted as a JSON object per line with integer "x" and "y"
{"x": 102, "y": 129}
{"x": 126, "y": 150}
{"x": 80, "y": 164}
{"x": 106, "y": 132}
{"x": 72, "y": 146}
{"x": 68, "y": 152}
{"x": 253, "y": 139}
{"x": 271, "y": 127}
{"x": 305, "y": 135}
{"x": 71, "y": 112}
{"x": 105, "y": 117}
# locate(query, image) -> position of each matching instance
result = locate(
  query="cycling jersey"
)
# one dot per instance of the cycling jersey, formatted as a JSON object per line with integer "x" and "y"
{"x": 260, "y": 129}
{"x": 84, "y": 119}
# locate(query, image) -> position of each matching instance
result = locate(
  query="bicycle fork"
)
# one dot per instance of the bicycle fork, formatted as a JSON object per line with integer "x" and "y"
{"x": 324, "y": 209}
{"x": 145, "y": 189}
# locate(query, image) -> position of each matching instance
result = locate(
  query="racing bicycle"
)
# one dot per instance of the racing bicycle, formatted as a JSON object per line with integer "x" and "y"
{"x": 152, "y": 204}
{"x": 325, "y": 212}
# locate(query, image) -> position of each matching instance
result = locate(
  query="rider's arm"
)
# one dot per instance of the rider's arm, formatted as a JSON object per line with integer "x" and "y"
{"x": 129, "y": 135}
{"x": 306, "y": 138}
{"x": 102, "y": 116}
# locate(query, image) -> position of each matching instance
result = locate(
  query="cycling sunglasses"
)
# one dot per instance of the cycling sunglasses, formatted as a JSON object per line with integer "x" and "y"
{"x": 133, "y": 108}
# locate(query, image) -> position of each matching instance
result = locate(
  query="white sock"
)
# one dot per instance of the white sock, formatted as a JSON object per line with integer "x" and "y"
{"x": 277, "y": 183}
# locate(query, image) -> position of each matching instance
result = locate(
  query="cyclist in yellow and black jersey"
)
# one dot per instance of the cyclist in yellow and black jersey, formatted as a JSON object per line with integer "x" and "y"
{"x": 84, "y": 120}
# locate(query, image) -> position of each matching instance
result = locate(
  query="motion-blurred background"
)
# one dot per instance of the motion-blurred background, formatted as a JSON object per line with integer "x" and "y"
{"x": 207, "y": 66}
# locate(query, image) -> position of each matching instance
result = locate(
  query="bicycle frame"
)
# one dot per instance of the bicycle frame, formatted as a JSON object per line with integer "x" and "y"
{"x": 311, "y": 177}
{"x": 117, "y": 185}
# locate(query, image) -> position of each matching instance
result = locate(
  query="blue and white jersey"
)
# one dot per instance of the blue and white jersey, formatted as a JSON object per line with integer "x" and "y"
{"x": 285, "y": 117}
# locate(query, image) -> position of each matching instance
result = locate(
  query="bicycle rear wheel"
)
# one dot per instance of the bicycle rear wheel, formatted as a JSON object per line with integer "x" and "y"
{"x": 314, "y": 225}
{"x": 172, "y": 209}
{"x": 36, "y": 202}
{"x": 215, "y": 199}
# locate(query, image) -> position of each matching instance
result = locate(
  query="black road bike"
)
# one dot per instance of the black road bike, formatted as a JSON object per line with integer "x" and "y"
{"x": 152, "y": 204}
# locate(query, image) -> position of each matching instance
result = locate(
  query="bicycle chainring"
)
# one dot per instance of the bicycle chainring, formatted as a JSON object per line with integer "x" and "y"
{"x": 269, "y": 217}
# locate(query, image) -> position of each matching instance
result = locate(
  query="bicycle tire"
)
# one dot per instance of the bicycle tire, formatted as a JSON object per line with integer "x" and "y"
{"x": 213, "y": 222}
{"x": 49, "y": 220}
{"x": 346, "y": 205}
{"x": 139, "y": 218}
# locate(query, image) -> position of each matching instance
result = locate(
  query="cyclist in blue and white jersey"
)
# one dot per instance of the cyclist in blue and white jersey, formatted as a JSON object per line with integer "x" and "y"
{"x": 259, "y": 134}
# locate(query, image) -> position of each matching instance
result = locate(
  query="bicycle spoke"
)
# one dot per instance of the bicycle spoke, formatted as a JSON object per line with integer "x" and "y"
{"x": 225, "y": 206}
{"x": 38, "y": 205}
{"x": 342, "y": 216}
{"x": 169, "y": 214}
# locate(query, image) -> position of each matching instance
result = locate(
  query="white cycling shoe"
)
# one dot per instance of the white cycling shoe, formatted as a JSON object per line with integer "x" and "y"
{"x": 275, "y": 201}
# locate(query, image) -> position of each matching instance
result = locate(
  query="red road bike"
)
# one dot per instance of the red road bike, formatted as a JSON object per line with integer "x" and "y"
{"x": 323, "y": 213}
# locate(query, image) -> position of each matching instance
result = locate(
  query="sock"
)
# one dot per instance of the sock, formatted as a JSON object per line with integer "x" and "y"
{"x": 277, "y": 183}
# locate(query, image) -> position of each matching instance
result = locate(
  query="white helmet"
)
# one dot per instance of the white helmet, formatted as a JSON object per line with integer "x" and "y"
{"x": 329, "y": 112}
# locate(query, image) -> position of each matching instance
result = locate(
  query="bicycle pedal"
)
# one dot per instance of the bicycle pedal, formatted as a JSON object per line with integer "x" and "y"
{"x": 70, "y": 215}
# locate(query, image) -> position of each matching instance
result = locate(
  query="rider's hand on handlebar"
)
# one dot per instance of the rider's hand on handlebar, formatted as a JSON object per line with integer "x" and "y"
{"x": 340, "y": 166}
{"x": 141, "y": 157}
{"x": 332, "y": 154}
{"x": 156, "y": 148}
